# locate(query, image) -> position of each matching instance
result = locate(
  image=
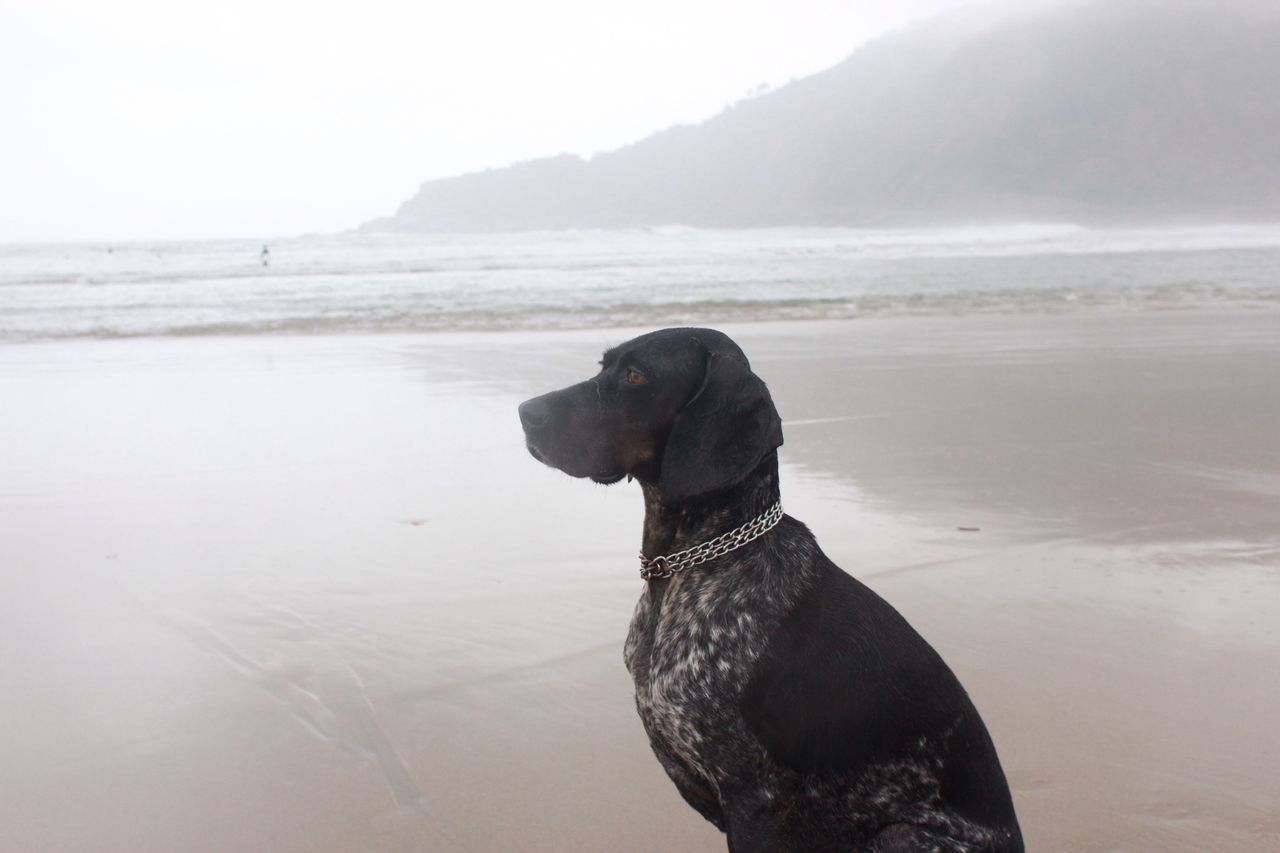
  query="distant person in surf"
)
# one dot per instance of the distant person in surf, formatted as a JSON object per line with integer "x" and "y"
{"x": 265, "y": 256}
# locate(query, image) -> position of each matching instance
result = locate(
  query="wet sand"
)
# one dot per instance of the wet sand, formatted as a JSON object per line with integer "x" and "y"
{"x": 301, "y": 594}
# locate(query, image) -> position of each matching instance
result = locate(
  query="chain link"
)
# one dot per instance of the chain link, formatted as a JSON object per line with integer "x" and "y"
{"x": 667, "y": 566}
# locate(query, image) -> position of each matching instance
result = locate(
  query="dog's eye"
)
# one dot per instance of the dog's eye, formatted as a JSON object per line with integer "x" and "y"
{"x": 633, "y": 377}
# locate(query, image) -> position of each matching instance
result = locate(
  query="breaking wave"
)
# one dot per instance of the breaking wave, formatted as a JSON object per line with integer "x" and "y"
{"x": 364, "y": 283}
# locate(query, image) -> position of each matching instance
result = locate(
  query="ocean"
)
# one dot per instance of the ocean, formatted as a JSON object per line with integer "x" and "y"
{"x": 584, "y": 279}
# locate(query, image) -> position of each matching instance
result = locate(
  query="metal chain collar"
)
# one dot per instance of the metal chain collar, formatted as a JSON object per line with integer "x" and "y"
{"x": 669, "y": 565}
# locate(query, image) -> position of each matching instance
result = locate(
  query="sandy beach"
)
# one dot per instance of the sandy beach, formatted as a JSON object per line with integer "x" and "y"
{"x": 311, "y": 594}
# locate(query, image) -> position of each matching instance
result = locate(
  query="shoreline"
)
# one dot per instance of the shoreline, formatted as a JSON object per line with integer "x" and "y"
{"x": 319, "y": 597}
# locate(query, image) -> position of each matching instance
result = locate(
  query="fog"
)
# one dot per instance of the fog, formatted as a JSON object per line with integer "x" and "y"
{"x": 1134, "y": 112}
{"x": 144, "y": 119}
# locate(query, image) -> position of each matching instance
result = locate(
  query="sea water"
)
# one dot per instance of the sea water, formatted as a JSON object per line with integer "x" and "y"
{"x": 581, "y": 279}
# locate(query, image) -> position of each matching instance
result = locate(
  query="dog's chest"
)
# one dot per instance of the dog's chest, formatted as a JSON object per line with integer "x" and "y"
{"x": 690, "y": 652}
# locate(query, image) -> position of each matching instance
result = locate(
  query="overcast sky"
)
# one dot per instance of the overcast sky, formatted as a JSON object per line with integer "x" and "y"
{"x": 158, "y": 119}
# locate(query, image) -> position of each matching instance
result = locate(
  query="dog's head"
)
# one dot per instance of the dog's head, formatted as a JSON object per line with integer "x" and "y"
{"x": 677, "y": 408}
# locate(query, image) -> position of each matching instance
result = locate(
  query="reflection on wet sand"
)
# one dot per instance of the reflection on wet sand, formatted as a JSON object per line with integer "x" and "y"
{"x": 311, "y": 593}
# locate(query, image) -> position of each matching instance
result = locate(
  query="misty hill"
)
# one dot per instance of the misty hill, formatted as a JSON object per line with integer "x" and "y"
{"x": 1133, "y": 110}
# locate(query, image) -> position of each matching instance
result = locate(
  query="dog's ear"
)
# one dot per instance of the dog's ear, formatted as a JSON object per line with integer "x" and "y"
{"x": 721, "y": 435}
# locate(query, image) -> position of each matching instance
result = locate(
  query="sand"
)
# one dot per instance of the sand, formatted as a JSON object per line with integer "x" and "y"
{"x": 311, "y": 594}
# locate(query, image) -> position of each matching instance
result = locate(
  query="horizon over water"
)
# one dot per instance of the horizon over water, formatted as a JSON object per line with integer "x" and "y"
{"x": 659, "y": 276}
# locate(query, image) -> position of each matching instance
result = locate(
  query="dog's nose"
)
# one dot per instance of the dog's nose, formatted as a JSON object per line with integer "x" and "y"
{"x": 534, "y": 413}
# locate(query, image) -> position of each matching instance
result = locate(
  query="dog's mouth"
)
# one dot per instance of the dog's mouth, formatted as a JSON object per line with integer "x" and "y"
{"x": 537, "y": 454}
{"x": 604, "y": 478}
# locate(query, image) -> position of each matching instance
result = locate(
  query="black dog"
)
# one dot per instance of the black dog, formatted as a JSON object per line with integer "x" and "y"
{"x": 792, "y": 707}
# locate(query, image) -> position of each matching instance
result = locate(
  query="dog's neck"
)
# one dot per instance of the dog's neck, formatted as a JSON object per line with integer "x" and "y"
{"x": 669, "y": 528}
